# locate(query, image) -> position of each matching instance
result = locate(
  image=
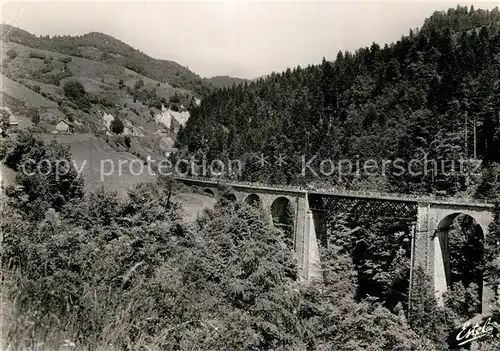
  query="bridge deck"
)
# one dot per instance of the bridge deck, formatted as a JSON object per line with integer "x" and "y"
{"x": 342, "y": 193}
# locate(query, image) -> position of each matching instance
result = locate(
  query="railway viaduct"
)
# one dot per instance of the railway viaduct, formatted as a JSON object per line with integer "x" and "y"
{"x": 433, "y": 217}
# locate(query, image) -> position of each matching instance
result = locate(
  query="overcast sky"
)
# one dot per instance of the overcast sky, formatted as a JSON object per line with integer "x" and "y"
{"x": 233, "y": 37}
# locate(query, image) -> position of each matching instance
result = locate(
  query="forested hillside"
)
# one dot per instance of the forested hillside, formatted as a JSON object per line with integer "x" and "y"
{"x": 224, "y": 81}
{"x": 433, "y": 94}
{"x": 104, "y": 48}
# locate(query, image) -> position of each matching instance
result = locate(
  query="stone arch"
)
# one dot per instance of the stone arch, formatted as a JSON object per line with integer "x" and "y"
{"x": 442, "y": 255}
{"x": 253, "y": 200}
{"x": 230, "y": 197}
{"x": 209, "y": 192}
{"x": 283, "y": 216}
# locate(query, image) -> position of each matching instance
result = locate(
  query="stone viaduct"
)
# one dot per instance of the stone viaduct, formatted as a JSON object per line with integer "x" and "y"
{"x": 432, "y": 219}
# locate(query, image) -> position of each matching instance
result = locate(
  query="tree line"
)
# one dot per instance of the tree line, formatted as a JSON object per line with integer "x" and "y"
{"x": 434, "y": 94}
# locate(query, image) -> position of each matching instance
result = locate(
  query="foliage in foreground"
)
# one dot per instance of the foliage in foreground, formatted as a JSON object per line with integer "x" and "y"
{"x": 130, "y": 274}
{"x": 125, "y": 274}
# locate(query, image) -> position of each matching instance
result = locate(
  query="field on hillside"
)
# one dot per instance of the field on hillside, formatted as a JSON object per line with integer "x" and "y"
{"x": 25, "y": 95}
{"x": 98, "y": 159}
{"x": 101, "y": 163}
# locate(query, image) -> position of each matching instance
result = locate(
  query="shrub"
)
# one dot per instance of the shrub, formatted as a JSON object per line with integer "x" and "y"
{"x": 117, "y": 126}
{"x": 74, "y": 90}
{"x": 66, "y": 59}
{"x": 127, "y": 141}
{"x": 175, "y": 99}
{"x": 53, "y": 79}
{"x": 45, "y": 69}
{"x": 12, "y": 54}
{"x": 34, "y": 114}
{"x": 175, "y": 107}
{"x": 157, "y": 104}
{"x": 4, "y": 121}
{"x": 139, "y": 84}
{"x": 38, "y": 55}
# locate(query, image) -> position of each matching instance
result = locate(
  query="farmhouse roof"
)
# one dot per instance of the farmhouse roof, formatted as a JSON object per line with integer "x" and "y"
{"x": 13, "y": 120}
{"x": 65, "y": 121}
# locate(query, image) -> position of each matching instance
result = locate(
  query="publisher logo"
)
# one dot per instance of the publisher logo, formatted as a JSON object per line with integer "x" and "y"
{"x": 470, "y": 332}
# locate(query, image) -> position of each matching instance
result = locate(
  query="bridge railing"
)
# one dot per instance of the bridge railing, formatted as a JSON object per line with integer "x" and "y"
{"x": 337, "y": 191}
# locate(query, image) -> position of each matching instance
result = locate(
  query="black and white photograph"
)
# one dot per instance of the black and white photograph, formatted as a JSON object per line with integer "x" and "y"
{"x": 249, "y": 175}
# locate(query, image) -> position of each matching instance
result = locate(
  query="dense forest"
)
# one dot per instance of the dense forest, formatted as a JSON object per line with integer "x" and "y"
{"x": 434, "y": 94}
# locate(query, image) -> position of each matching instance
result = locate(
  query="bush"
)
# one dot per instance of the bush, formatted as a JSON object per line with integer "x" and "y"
{"x": 139, "y": 84}
{"x": 34, "y": 114}
{"x": 66, "y": 59}
{"x": 175, "y": 99}
{"x": 4, "y": 121}
{"x": 12, "y": 54}
{"x": 117, "y": 126}
{"x": 38, "y": 55}
{"x": 74, "y": 90}
{"x": 127, "y": 141}
{"x": 45, "y": 69}
{"x": 175, "y": 107}
{"x": 53, "y": 79}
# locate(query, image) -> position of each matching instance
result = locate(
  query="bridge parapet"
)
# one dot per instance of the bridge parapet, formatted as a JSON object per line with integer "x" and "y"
{"x": 346, "y": 193}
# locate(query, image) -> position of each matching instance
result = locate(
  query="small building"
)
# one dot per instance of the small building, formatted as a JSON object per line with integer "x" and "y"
{"x": 64, "y": 126}
{"x": 13, "y": 125}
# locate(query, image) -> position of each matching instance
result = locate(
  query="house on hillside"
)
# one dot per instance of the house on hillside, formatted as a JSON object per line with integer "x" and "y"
{"x": 13, "y": 124}
{"x": 64, "y": 126}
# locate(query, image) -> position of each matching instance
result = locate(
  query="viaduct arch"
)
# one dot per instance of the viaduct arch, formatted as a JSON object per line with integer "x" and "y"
{"x": 431, "y": 242}
{"x": 253, "y": 200}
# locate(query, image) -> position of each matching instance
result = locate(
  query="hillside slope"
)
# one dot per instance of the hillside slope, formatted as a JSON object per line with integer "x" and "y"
{"x": 34, "y": 82}
{"x": 104, "y": 48}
